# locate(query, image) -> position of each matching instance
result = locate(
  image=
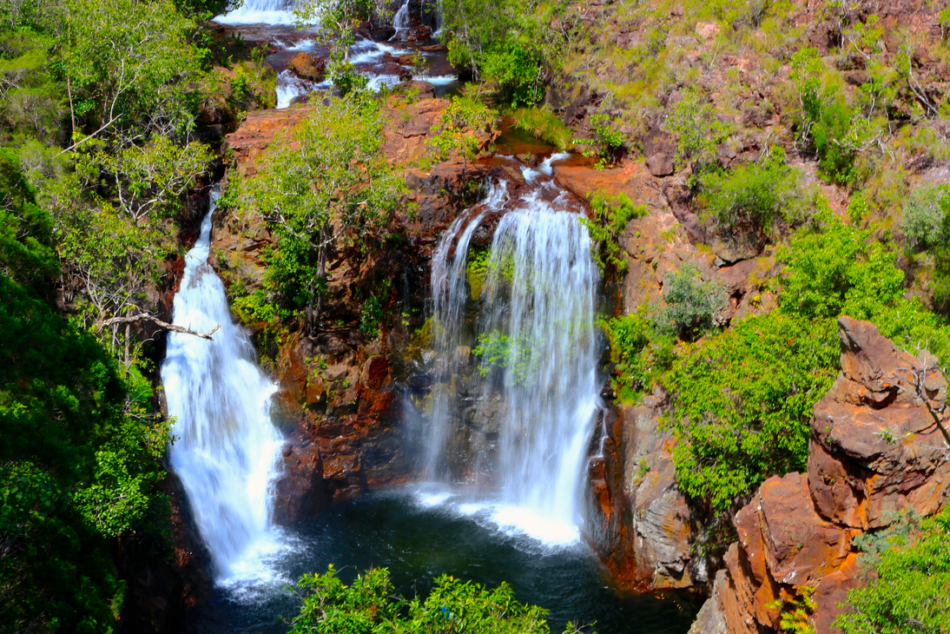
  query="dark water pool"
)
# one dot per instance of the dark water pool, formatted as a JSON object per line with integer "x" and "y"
{"x": 420, "y": 543}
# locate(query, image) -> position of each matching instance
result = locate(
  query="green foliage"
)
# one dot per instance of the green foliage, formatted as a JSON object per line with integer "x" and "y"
{"x": 79, "y": 451}
{"x": 825, "y": 121}
{"x": 699, "y": 132}
{"x": 753, "y": 196}
{"x": 325, "y": 186}
{"x": 606, "y": 141}
{"x": 476, "y": 270}
{"x": 691, "y": 303}
{"x": 910, "y": 593}
{"x": 509, "y": 43}
{"x": 858, "y": 208}
{"x": 641, "y": 352}
{"x": 254, "y": 308}
{"x": 742, "y": 402}
{"x": 611, "y": 213}
{"x": 797, "y": 611}
{"x": 26, "y": 250}
{"x": 836, "y": 269}
{"x": 461, "y": 123}
{"x": 128, "y": 62}
{"x": 923, "y": 221}
{"x": 338, "y": 21}
{"x": 371, "y": 318}
{"x": 514, "y": 356}
{"x": 369, "y": 606}
{"x": 516, "y": 69}
{"x": 545, "y": 125}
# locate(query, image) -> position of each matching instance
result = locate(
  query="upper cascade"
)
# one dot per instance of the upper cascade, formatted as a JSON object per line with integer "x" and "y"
{"x": 261, "y": 12}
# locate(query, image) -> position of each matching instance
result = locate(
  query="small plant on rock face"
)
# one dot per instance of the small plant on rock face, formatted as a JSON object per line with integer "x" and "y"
{"x": 606, "y": 142}
{"x": 610, "y": 217}
{"x": 699, "y": 133}
{"x": 796, "y": 612}
{"x": 924, "y": 216}
{"x": 691, "y": 303}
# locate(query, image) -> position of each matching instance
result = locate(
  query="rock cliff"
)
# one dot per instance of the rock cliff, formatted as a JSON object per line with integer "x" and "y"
{"x": 879, "y": 445}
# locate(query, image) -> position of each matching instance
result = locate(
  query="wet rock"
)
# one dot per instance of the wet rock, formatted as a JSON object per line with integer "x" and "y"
{"x": 646, "y": 529}
{"x": 306, "y": 66}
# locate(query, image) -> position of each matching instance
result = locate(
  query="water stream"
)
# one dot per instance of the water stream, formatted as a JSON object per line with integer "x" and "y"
{"x": 227, "y": 448}
{"x": 522, "y": 423}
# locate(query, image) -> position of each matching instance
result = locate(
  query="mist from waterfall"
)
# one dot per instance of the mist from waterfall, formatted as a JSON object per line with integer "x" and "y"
{"x": 226, "y": 449}
{"x": 537, "y": 372}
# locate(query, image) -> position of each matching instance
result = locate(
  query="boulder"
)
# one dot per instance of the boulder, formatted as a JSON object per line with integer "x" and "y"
{"x": 306, "y": 66}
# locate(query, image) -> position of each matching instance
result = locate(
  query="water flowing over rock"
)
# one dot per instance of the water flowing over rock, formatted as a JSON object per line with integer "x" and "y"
{"x": 878, "y": 446}
{"x": 521, "y": 421}
{"x": 227, "y": 448}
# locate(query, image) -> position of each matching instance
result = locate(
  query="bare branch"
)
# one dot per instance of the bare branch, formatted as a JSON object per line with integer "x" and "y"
{"x": 158, "y": 322}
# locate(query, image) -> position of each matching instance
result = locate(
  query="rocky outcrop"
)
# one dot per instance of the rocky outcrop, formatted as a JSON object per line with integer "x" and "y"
{"x": 878, "y": 446}
{"x": 643, "y": 528}
{"x": 345, "y": 404}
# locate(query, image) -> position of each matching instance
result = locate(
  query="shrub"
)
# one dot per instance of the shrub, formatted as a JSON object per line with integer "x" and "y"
{"x": 753, "y": 195}
{"x": 641, "y": 352}
{"x": 836, "y": 269}
{"x": 699, "y": 132}
{"x": 923, "y": 216}
{"x": 545, "y": 125}
{"x": 370, "y": 605}
{"x": 691, "y": 303}
{"x": 742, "y": 402}
{"x": 909, "y": 595}
{"x": 607, "y": 227}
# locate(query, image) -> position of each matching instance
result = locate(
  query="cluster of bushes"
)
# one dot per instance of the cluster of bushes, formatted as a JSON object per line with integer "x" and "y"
{"x": 370, "y": 605}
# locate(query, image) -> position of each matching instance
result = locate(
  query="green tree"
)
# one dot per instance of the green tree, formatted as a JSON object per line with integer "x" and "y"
{"x": 128, "y": 64}
{"x": 691, "y": 303}
{"x": 513, "y": 44}
{"x": 324, "y": 187}
{"x": 836, "y": 269}
{"x": 753, "y": 196}
{"x": 909, "y": 595}
{"x": 369, "y": 606}
{"x": 742, "y": 403}
{"x": 79, "y": 457}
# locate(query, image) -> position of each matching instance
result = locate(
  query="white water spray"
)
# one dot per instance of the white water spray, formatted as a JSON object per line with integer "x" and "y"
{"x": 260, "y": 12}
{"x": 537, "y": 312}
{"x": 227, "y": 448}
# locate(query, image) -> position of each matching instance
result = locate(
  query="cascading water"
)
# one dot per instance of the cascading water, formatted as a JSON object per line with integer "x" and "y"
{"x": 538, "y": 356}
{"x": 227, "y": 448}
{"x": 261, "y": 12}
{"x": 401, "y": 20}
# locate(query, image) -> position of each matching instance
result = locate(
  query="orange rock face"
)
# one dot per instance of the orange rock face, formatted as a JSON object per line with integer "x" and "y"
{"x": 877, "y": 447}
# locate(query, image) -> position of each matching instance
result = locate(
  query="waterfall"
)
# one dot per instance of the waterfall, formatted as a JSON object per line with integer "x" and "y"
{"x": 261, "y": 12}
{"x": 526, "y": 414}
{"x": 226, "y": 446}
{"x": 401, "y": 20}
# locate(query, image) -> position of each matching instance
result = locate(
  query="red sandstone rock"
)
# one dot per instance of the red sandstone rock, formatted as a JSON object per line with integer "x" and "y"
{"x": 306, "y": 66}
{"x": 876, "y": 448}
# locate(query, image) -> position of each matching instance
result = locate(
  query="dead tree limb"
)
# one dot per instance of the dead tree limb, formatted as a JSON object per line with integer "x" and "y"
{"x": 158, "y": 322}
